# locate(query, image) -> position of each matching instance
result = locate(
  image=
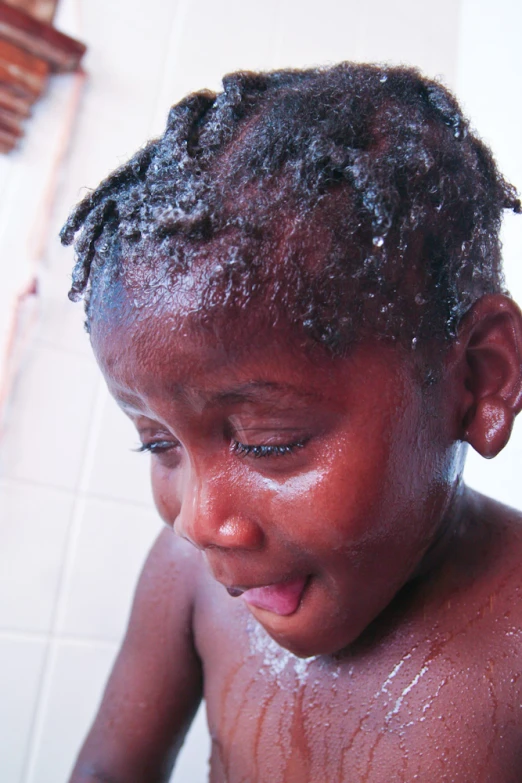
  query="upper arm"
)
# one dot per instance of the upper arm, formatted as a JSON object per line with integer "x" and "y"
{"x": 156, "y": 683}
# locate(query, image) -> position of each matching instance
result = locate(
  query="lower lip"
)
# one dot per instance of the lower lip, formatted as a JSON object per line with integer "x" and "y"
{"x": 282, "y": 598}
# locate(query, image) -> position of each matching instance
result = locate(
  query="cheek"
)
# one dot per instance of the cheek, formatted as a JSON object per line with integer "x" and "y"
{"x": 334, "y": 505}
{"x": 372, "y": 485}
{"x": 166, "y": 491}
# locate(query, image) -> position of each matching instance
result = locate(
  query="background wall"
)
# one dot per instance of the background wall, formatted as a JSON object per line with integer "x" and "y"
{"x": 76, "y": 517}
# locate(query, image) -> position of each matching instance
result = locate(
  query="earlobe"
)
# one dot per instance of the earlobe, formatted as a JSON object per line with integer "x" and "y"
{"x": 491, "y": 341}
{"x": 490, "y": 427}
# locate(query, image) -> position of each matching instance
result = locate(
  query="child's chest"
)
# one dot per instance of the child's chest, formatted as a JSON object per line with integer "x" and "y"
{"x": 408, "y": 711}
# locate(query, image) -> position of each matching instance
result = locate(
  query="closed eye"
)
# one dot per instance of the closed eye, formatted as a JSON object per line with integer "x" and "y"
{"x": 279, "y": 450}
{"x": 157, "y": 446}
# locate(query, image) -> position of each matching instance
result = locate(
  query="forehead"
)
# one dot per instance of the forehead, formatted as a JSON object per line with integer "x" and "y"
{"x": 171, "y": 354}
{"x": 175, "y": 350}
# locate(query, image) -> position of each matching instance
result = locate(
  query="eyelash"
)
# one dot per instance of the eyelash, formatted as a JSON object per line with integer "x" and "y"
{"x": 266, "y": 451}
{"x": 241, "y": 449}
{"x": 156, "y": 447}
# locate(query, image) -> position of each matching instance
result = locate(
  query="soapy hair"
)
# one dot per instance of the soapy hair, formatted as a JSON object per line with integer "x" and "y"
{"x": 347, "y": 200}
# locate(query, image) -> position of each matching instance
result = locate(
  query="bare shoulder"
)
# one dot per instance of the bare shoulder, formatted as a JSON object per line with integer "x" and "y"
{"x": 480, "y": 583}
{"x": 464, "y": 678}
{"x": 172, "y": 564}
{"x": 156, "y": 683}
{"x": 495, "y": 544}
{"x": 503, "y": 573}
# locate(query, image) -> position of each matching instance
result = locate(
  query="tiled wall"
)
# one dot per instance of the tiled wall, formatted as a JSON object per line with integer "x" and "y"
{"x": 76, "y": 518}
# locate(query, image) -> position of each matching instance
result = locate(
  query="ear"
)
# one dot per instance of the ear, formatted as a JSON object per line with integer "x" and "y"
{"x": 489, "y": 345}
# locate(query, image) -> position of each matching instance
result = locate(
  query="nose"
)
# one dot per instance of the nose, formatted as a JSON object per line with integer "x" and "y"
{"x": 214, "y": 514}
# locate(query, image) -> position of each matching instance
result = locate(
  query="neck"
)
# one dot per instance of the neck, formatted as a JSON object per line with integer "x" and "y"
{"x": 453, "y": 527}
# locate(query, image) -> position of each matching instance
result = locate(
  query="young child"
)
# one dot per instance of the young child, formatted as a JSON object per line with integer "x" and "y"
{"x": 296, "y": 296}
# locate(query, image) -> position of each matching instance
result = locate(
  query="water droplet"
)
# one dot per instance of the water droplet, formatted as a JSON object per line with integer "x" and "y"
{"x": 383, "y": 78}
{"x": 378, "y": 241}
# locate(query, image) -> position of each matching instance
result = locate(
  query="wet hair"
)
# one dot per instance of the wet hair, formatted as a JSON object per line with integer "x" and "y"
{"x": 348, "y": 200}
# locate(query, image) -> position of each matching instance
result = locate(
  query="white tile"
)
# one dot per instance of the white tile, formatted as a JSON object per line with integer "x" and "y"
{"x": 33, "y": 529}
{"x": 47, "y": 420}
{"x": 28, "y": 195}
{"x": 192, "y": 764}
{"x": 307, "y": 37}
{"x": 21, "y": 663}
{"x": 60, "y": 322}
{"x": 116, "y": 470}
{"x": 112, "y": 542}
{"x": 76, "y": 681}
{"x": 411, "y": 33}
{"x": 404, "y": 31}
{"x": 77, "y": 678}
{"x": 500, "y": 477}
{"x": 124, "y": 62}
{"x": 490, "y": 59}
{"x": 211, "y": 40}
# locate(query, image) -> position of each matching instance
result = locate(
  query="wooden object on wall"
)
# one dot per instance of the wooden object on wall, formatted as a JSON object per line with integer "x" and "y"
{"x": 30, "y": 49}
{"x": 43, "y": 10}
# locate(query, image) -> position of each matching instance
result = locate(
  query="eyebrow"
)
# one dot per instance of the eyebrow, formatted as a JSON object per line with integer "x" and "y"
{"x": 251, "y": 391}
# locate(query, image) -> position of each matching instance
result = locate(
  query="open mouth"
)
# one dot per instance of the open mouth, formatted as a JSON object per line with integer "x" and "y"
{"x": 282, "y": 598}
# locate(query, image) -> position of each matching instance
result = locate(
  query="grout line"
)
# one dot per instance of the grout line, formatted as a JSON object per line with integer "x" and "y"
{"x": 42, "y": 698}
{"x": 7, "y": 481}
{"x": 172, "y": 49}
{"x": 42, "y": 636}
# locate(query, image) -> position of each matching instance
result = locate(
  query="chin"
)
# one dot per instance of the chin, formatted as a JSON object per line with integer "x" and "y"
{"x": 310, "y": 642}
{"x": 307, "y": 633}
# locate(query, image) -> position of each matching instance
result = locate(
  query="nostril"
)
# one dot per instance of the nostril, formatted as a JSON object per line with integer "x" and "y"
{"x": 179, "y": 530}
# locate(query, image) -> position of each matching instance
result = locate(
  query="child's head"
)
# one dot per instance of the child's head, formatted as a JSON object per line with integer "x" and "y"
{"x": 263, "y": 283}
{"x": 346, "y": 200}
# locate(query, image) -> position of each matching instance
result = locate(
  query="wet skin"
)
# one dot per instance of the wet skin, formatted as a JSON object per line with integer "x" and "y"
{"x": 273, "y": 465}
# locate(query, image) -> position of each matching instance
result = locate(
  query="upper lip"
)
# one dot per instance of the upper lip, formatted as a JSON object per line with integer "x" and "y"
{"x": 267, "y": 583}
{"x": 218, "y": 569}
{"x": 244, "y": 588}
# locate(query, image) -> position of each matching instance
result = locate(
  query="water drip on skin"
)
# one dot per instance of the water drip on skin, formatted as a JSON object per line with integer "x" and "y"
{"x": 238, "y": 716}
{"x": 227, "y": 695}
{"x": 494, "y": 717}
{"x": 258, "y": 754}
{"x": 286, "y": 671}
{"x": 297, "y": 736}
{"x": 297, "y": 766}
{"x": 394, "y": 672}
{"x": 323, "y": 724}
{"x": 376, "y": 702}
{"x": 404, "y": 693}
{"x": 429, "y": 703}
{"x": 369, "y": 764}
{"x": 276, "y": 660}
